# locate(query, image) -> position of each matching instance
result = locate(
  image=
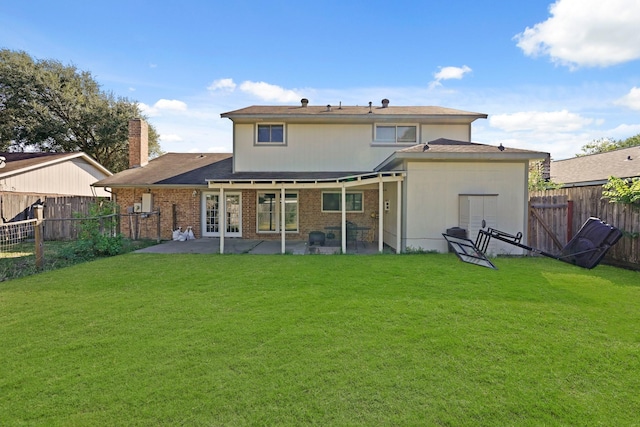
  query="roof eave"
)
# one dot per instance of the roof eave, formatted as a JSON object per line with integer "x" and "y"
{"x": 61, "y": 159}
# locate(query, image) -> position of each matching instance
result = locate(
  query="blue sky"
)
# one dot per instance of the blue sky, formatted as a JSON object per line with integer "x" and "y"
{"x": 552, "y": 76}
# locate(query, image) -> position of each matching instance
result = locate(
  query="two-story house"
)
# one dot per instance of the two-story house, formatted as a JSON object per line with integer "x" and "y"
{"x": 395, "y": 176}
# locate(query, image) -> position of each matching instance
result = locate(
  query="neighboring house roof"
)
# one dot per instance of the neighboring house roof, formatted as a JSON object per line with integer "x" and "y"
{"x": 448, "y": 149}
{"x": 595, "y": 169}
{"x": 352, "y": 113}
{"x": 18, "y": 163}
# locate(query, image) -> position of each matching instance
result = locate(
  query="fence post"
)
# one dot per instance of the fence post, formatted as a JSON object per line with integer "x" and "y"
{"x": 39, "y": 235}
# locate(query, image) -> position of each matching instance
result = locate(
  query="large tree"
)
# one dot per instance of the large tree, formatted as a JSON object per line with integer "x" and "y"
{"x": 603, "y": 145}
{"x": 51, "y": 107}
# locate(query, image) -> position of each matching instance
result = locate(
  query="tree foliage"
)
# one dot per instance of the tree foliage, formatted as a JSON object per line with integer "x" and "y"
{"x": 538, "y": 180}
{"x": 626, "y": 191}
{"x": 51, "y": 107}
{"x": 603, "y": 145}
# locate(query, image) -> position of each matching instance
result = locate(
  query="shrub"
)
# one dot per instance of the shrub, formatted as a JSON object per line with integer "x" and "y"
{"x": 97, "y": 233}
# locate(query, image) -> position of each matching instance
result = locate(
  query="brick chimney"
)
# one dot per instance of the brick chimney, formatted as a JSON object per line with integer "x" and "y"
{"x": 138, "y": 143}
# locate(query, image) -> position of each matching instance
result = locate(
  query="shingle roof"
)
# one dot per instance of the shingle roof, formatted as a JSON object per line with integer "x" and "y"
{"x": 443, "y": 145}
{"x": 350, "y": 111}
{"x": 178, "y": 169}
{"x": 452, "y": 150}
{"x": 181, "y": 169}
{"x": 597, "y": 168}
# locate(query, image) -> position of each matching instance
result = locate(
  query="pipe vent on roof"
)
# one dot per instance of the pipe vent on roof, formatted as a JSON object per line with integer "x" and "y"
{"x": 385, "y": 103}
{"x": 328, "y": 107}
{"x": 304, "y": 102}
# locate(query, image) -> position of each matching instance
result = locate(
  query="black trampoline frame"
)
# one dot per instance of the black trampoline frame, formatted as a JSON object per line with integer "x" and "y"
{"x": 576, "y": 252}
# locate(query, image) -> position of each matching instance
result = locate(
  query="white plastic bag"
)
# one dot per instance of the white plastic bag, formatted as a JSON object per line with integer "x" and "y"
{"x": 176, "y": 233}
{"x": 189, "y": 233}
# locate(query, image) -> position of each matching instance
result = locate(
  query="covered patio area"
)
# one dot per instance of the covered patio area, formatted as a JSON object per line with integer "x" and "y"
{"x": 291, "y": 207}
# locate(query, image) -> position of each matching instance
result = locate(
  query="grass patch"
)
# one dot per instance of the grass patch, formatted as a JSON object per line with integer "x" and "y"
{"x": 146, "y": 339}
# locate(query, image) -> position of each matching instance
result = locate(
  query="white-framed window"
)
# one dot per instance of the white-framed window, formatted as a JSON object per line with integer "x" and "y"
{"x": 396, "y": 134}
{"x": 268, "y": 212}
{"x": 332, "y": 201}
{"x": 270, "y": 133}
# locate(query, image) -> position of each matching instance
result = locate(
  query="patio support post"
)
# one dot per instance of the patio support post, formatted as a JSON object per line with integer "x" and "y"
{"x": 222, "y": 221}
{"x": 282, "y": 221}
{"x": 380, "y": 211}
{"x": 399, "y": 219}
{"x": 344, "y": 219}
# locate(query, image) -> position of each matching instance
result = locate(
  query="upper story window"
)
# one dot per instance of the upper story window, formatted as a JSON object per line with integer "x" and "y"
{"x": 270, "y": 134}
{"x": 401, "y": 134}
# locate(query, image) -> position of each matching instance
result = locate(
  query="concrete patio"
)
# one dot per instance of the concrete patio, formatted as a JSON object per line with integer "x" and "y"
{"x": 211, "y": 245}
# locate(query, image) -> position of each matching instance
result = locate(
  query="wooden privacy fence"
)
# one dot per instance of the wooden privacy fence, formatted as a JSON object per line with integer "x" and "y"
{"x": 59, "y": 212}
{"x": 549, "y": 222}
{"x": 563, "y": 212}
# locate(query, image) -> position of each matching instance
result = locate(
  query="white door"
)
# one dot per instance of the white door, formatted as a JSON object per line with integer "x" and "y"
{"x": 211, "y": 215}
{"x": 479, "y": 213}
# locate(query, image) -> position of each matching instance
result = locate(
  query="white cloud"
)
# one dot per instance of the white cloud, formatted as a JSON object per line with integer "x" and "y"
{"x": 269, "y": 92}
{"x": 161, "y": 105}
{"x": 170, "y": 104}
{"x": 223, "y": 84}
{"x": 624, "y": 131}
{"x": 542, "y": 121}
{"x": 592, "y": 33}
{"x": 447, "y": 73}
{"x": 631, "y": 100}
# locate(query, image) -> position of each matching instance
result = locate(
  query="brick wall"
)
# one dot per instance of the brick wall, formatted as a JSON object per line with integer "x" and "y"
{"x": 310, "y": 215}
{"x": 178, "y": 207}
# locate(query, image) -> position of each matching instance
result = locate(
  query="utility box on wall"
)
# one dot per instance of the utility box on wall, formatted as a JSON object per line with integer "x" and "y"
{"x": 147, "y": 202}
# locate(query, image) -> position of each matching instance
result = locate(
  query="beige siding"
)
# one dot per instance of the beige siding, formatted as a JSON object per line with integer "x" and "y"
{"x": 72, "y": 177}
{"x": 456, "y": 132}
{"x": 433, "y": 190}
{"x": 324, "y": 147}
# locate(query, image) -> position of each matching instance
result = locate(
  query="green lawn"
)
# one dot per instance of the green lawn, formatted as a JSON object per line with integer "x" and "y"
{"x": 383, "y": 340}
